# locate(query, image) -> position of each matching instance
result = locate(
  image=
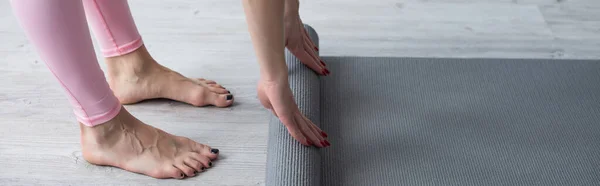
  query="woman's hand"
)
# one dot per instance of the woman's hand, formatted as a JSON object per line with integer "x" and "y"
{"x": 266, "y": 26}
{"x": 277, "y": 97}
{"x": 298, "y": 41}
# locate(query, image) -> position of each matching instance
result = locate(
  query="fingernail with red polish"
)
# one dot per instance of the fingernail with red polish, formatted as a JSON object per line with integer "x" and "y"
{"x": 327, "y": 142}
{"x": 323, "y": 134}
{"x": 326, "y": 71}
{"x": 323, "y": 63}
{"x": 309, "y": 142}
{"x": 317, "y": 49}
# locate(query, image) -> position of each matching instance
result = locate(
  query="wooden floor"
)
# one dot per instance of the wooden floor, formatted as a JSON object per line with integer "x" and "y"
{"x": 39, "y": 139}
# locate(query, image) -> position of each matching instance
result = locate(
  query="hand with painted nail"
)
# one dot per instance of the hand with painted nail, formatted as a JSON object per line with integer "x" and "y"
{"x": 278, "y": 97}
{"x": 266, "y": 25}
{"x": 297, "y": 40}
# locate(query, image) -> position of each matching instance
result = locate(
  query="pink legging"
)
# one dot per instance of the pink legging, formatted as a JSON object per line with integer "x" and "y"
{"x": 58, "y": 29}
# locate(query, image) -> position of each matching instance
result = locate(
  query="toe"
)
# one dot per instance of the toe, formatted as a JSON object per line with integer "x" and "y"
{"x": 204, "y": 96}
{"x": 207, "y": 151}
{"x": 213, "y": 86}
{"x": 207, "y": 81}
{"x": 216, "y": 85}
{"x": 205, "y": 161}
{"x": 172, "y": 172}
{"x": 193, "y": 163}
{"x": 188, "y": 171}
{"x": 218, "y": 90}
{"x": 219, "y": 100}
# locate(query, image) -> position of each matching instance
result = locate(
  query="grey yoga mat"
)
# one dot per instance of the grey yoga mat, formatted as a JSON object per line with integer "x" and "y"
{"x": 422, "y": 121}
{"x": 289, "y": 162}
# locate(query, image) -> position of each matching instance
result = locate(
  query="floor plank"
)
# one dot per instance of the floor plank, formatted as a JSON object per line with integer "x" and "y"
{"x": 39, "y": 141}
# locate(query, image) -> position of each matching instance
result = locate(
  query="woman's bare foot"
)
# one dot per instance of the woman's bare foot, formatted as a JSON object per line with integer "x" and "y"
{"x": 130, "y": 144}
{"x": 136, "y": 76}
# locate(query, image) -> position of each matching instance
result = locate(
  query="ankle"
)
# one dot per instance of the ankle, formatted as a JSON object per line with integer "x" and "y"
{"x": 102, "y": 133}
{"x": 138, "y": 61}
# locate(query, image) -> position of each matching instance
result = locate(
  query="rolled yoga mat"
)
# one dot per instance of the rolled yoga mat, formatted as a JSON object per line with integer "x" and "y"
{"x": 422, "y": 121}
{"x": 289, "y": 162}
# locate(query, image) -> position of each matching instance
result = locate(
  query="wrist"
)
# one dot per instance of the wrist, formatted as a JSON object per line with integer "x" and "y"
{"x": 274, "y": 75}
{"x": 272, "y": 65}
{"x": 291, "y": 9}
